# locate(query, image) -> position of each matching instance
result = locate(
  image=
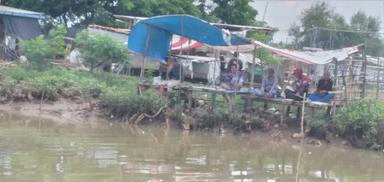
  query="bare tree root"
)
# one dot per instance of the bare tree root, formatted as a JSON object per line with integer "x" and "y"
{"x": 136, "y": 118}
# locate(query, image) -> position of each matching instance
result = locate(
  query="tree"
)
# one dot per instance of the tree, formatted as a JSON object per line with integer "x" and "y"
{"x": 321, "y": 27}
{"x": 295, "y": 32}
{"x": 57, "y": 42}
{"x": 85, "y": 12}
{"x": 206, "y": 9}
{"x": 235, "y": 12}
{"x": 98, "y": 50}
{"x": 71, "y": 12}
{"x": 40, "y": 51}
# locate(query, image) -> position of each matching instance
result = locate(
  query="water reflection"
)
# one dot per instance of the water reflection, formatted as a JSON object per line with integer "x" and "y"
{"x": 36, "y": 150}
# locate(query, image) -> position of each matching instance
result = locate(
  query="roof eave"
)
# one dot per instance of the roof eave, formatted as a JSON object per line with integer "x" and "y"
{"x": 35, "y": 16}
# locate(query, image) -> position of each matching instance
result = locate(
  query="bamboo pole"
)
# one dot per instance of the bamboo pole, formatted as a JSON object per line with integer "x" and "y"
{"x": 145, "y": 52}
{"x": 217, "y": 53}
{"x": 253, "y": 67}
{"x": 378, "y": 78}
{"x": 302, "y": 115}
{"x": 336, "y": 71}
{"x": 298, "y": 165}
{"x": 181, "y": 50}
{"x": 363, "y": 93}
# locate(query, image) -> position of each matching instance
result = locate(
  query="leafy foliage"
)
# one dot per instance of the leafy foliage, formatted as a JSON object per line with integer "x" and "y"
{"x": 267, "y": 57}
{"x": 38, "y": 52}
{"x": 358, "y": 122}
{"x": 321, "y": 27}
{"x": 57, "y": 43}
{"x": 98, "y": 49}
{"x": 125, "y": 103}
{"x": 235, "y": 12}
{"x": 84, "y": 12}
{"x": 117, "y": 93}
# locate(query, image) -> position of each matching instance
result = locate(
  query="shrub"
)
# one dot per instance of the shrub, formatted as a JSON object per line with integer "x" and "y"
{"x": 359, "y": 121}
{"x": 17, "y": 73}
{"x": 100, "y": 49}
{"x": 319, "y": 125}
{"x": 125, "y": 103}
{"x": 38, "y": 52}
{"x": 47, "y": 85}
{"x": 56, "y": 40}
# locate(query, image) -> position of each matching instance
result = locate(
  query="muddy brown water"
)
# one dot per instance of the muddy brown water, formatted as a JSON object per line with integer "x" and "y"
{"x": 33, "y": 149}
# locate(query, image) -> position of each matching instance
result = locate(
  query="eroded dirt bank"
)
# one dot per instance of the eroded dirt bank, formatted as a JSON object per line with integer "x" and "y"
{"x": 68, "y": 111}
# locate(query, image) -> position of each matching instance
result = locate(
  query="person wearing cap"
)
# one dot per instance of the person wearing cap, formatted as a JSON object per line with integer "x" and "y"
{"x": 324, "y": 86}
{"x": 301, "y": 85}
{"x": 268, "y": 85}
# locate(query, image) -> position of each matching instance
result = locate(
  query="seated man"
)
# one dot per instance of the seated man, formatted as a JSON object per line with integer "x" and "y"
{"x": 233, "y": 80}
{"x": 173, "y": 70}
{"x": 324, "y": 85}
{"x": 268, "y": 85}
{"x": 235, "y": 60}
{"x": 301, "y": 86}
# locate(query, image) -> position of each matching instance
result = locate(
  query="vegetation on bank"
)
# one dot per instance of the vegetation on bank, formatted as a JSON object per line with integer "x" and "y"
{"x": 361, "y": 123}
{"x": 115, "y": 93}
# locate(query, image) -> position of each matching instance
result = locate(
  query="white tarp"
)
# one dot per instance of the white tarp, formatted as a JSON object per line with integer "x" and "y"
{"x": 311, "y": 57}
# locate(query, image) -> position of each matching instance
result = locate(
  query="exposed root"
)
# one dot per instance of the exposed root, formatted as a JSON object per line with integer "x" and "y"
{"x": 136, "y": 118}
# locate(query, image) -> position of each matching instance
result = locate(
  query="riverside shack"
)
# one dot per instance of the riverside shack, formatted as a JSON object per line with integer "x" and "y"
{"x": 15, "y": 25}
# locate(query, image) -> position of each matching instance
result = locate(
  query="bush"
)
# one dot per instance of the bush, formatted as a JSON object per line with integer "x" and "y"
{"x": 40, "y": 51}
{"x": 359, "y": 122}
{"x": 56, "y": 40}
{"x": 100, "y": 49}
{"x": 123, "y": 103}
{"x": 319, "y": 125}
{"x": 47, "y": 85}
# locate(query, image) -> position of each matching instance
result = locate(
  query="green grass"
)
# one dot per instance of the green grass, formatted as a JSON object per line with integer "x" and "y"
{"x": 116, "y": 92}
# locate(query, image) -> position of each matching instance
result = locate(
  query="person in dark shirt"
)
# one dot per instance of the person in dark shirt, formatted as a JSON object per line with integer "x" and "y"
{"x": 301, "y": 86}
{"x": 324, "y": 86}
{"x": 233, "y": 80}
{"x": 173, "y": 69}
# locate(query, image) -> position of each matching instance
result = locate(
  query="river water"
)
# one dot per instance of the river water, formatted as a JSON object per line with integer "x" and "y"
{"x": 40, "y": 150}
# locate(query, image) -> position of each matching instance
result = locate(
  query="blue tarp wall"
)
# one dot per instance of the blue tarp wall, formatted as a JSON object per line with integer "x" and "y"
{"x": 152, "y": 37}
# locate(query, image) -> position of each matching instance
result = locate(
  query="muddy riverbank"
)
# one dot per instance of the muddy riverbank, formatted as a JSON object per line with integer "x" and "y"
{"x": 78, "y": 112}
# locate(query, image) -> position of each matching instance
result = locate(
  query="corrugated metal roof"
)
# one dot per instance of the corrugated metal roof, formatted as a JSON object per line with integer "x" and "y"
{"x": 6, "y": 10}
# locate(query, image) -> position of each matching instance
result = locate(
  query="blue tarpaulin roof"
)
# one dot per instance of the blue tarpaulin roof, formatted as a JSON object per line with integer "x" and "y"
{"x": 151, "y": 37}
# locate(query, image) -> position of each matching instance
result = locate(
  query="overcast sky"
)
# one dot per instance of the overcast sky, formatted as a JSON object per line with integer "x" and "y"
{"x": 283, "y": 13}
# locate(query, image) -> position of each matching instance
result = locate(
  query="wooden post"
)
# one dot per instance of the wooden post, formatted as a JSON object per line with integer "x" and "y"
{"x": 282, "y": 114}
{"x": 302, "y": 115}
{"x": 336, "y": 71}
{"x": 253, "y": 67}
{"x": 213, "y": 101}
{"x": 214, "y": 66}
{"x": 378, "y": 78}
{"x": 363, "y": 93}
{"x": 145, "y": 52}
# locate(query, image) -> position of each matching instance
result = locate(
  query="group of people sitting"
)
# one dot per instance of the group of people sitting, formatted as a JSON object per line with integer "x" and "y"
{"x": 301, "y": 86}
{"x": 233, "y": 80}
